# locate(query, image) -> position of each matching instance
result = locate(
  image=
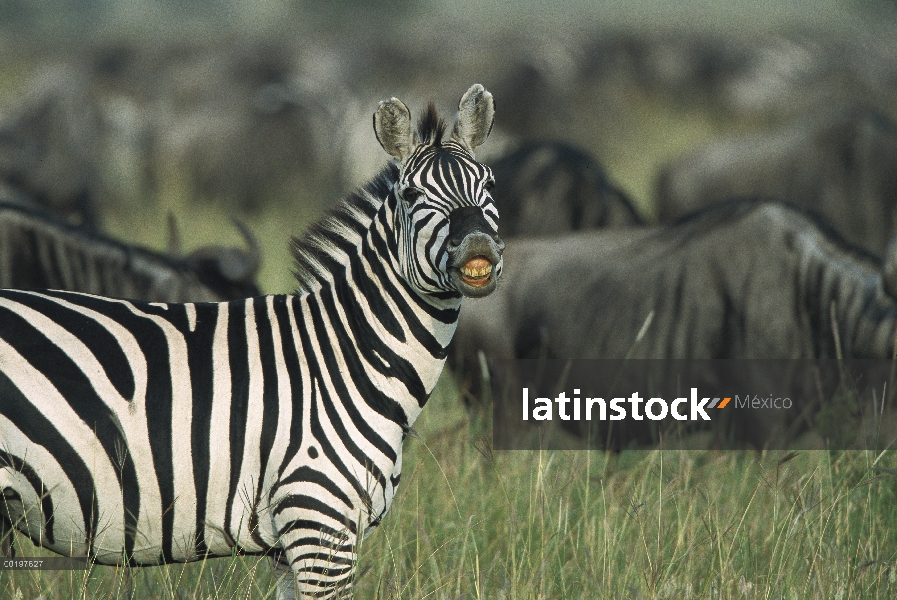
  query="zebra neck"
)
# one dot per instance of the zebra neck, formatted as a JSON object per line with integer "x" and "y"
{"x": 385, "y": 331}
{"x": 348, "y": 266}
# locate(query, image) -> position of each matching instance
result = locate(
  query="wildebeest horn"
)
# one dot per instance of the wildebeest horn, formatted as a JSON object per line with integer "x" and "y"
{"x": 889, "y": 268}
{"x": 253, "y": 256}
{"x": 174, "y": 235}
{"x": 234, "y": 264}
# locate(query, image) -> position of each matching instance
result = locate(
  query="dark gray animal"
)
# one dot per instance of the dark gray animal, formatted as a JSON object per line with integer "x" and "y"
{"x": 227, "y": 270}
{"x": 840, "y": 166}
{"x": 743, "y": 279}
{"x": 545, "y": 188}
{"x": 40, "y": 251}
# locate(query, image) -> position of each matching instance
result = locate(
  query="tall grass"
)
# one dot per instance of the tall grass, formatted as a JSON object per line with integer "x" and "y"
{"x": 473, "y": 523}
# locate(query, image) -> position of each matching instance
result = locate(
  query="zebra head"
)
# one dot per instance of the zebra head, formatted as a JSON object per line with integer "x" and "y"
{"x": 446, "y": 222}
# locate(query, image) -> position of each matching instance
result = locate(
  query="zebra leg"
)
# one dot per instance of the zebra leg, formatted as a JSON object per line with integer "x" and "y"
{"x": 315, "y": 564}
{"x": 286, "y": 581}
{"x": 7, "y": 537}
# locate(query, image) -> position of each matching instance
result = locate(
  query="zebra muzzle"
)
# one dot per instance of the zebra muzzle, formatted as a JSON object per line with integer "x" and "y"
{"x": 476, "y": 264}
{"x": 476, "y": 272}
{"x": 474, "y": 250}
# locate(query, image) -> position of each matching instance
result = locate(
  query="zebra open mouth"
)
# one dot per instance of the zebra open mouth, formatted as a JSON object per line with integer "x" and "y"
{"x": 477, "y": 272}
{"x": 475, "y": 261}
{"x": 477, "y": 276}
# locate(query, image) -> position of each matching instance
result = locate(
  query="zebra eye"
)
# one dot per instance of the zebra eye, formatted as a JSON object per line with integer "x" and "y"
{"x": 411, "y": 195}
{"x": 489, "y": 185}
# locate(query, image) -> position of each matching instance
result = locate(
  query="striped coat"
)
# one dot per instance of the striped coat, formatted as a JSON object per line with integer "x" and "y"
{"x": 154, "y": 433}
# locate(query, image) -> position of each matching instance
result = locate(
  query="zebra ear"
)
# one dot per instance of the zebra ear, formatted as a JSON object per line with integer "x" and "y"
{"x": 476, "y": 115}
{"x": 392, "y": 124}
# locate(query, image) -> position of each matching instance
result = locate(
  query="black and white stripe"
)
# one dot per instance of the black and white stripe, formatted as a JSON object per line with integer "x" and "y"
{"x": 154, "y": 433}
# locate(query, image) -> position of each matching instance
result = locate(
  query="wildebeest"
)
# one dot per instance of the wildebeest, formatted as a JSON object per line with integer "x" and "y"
{"x": 237, "y": 123}
{"x": 841, "y": 166}
{"x": 741, "y": 279}
{"x": 552, "y": 187}
{"x": 40, "y": 251}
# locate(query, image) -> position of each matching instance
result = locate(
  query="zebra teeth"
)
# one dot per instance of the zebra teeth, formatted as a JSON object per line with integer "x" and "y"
{"x": 477, "y": 271}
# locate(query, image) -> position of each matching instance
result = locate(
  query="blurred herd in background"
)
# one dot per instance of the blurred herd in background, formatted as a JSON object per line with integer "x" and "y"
{"x": 144, "y": 132}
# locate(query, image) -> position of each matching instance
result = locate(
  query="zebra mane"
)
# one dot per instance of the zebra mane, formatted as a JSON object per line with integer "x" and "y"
{"x": 430, "y": 127}
{"x": 342, "y": 227}
{"x": 345, "y": 225}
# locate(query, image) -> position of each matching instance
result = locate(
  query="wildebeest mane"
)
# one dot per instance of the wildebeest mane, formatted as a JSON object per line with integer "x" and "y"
{"x": 83, "y": 230}
{"x": 706, "y": 219}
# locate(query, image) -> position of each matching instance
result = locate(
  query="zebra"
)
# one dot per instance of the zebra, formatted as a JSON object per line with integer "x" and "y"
{"x": 148, "y": 433}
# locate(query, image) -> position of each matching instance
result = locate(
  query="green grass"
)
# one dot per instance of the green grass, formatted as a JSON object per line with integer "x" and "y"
{"x": 222, "y": 578}
{"x": 470, "y": 522}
